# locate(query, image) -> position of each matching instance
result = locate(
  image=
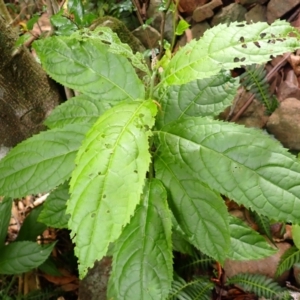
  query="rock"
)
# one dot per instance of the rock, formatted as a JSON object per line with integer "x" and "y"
{"x": 249, "y": 2}
{"x": 197, "y": 31}
{"x": 256, "y": 14}
{"x": 204, "y": 12}
{"x": 230, "y": 13}
{"x": 154, "y": 13}
{"x": 188, "y": 6}
{"x": 266, "y": 266}
{"x": 148, "y": 36}
{"x": 284, "y": 123}
{"x": 277, "y": 8}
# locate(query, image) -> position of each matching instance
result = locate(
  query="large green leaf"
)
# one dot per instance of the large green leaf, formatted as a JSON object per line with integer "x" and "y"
{"x": 41, "y": 162}
{"x": 142, "y": 262}
{"x": 203, "y": 97}
{"x": 242, "y": 163}
{"x": 79, "y": 109}
{"x": 228, "y": 47}
{"x": 88, "y": 66}
{"x": 21, "y": 257}
{"x": 106, "y": 35}
{"x": 31, "y": 228}
{"x": 54, "y": 210}
{"x": 246, "y": 243}
{"x": 5, "y": 215}
{"x": 199, "y": 211}
{"x": 109, "y": 178}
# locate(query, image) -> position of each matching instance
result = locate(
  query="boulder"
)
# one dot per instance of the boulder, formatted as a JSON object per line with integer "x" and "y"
{"x": 284, "y": 123}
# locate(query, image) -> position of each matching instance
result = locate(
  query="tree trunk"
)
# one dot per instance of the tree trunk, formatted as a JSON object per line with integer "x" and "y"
{"x": 27, "y": 95}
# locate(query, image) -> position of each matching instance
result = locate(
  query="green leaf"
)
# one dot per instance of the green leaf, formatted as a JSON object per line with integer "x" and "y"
{"x": 106, "y": 35}
{"x": 258, "y": 284}
{"x": 296, "y": 235}
{"x": 228, "y": 47}
{"x": 242, "y": 163}
{"x": 22, "y": 39}
{"x": 203, "y": 97}
{"x": 287, "y": 260}
{"x": 54, "y": 210}
{"x": 49, "y": 267}
{"x": 5, "y": 215}
{"x": 246, "y": 243}
{"x": 63, "y": 25}
{"x": 31, "y": 228}
{"x": 75, "y": 7}
{"x": 199, "y": 288}
{"x": 142, "y": 261}
{"x": 181, "y": 27}
{"x": 263, "y": 223}
{"x": 79, "y": 109}
{"x": 88, "y": 66}
{"x": 21, "y": 257}
{"x": 199, "y": 211}
{"x": 32, "y": 21}
{"x": 42, "y": 162}
{"x": 109, "y": 177}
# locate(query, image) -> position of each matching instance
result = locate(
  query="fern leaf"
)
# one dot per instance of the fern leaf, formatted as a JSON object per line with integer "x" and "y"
{"x": 200, "y": 288}
{"x": 263, "y": 223}
{"x": 198, "y": 261}
{"x": 260, "y": 285}
{"x": 254, "y": 80}
{"x": 288, "y": 259}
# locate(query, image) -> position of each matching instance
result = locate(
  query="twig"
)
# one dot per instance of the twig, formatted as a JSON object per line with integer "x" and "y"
{"x": 162, "y": 29}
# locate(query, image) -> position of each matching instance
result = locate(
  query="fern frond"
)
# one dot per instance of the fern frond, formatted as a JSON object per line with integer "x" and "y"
{"x": 287, "y": 260}
{"x": 263, "y": 223}
{"x": 198, "y": 261}
{"x": 200, "y": 288}
{"x": 254, "y": 80}
{"x": 260, "y": 285}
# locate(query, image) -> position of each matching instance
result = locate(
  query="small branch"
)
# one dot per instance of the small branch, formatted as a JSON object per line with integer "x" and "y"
{"x": 162, "y": 29}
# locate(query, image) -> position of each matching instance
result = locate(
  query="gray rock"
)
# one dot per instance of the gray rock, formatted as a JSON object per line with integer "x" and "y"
{"x": 284, "y": 123}
{"x": 277, "y": 8}
{"x": 197, "y": 32}
{"x": 230, "y": 13}
{"x": 148, "y": 36}
{"x": 154, "y": 13}
{"x": 256, "y": 14}
{"x": 249, "y": 2}
{"x": 205, "y": 11}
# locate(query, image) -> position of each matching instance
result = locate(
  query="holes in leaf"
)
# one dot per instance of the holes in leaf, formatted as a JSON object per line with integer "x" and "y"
{"x": 236, "y": 59}
{"x": 242, "y": 40}
{"x": 93, "y": 215}
{"x": 108, "y": 146}
{"x": 240, "y": 25}
{"x": 104, "y": 196}
{"x": 141, "y": 115}
{"x": 271, "y": 42}
{"x": 99, "y": 173}
{"x": 244, "y": 46}
{"x": 135, "y": 171}
{"x": 256, "y": 44}
{"x": 262, "y": 35}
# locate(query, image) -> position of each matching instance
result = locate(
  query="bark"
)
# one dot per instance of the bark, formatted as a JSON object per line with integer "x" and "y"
{"x": 27, "y": 95}
{"x": 94, "y": 285}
